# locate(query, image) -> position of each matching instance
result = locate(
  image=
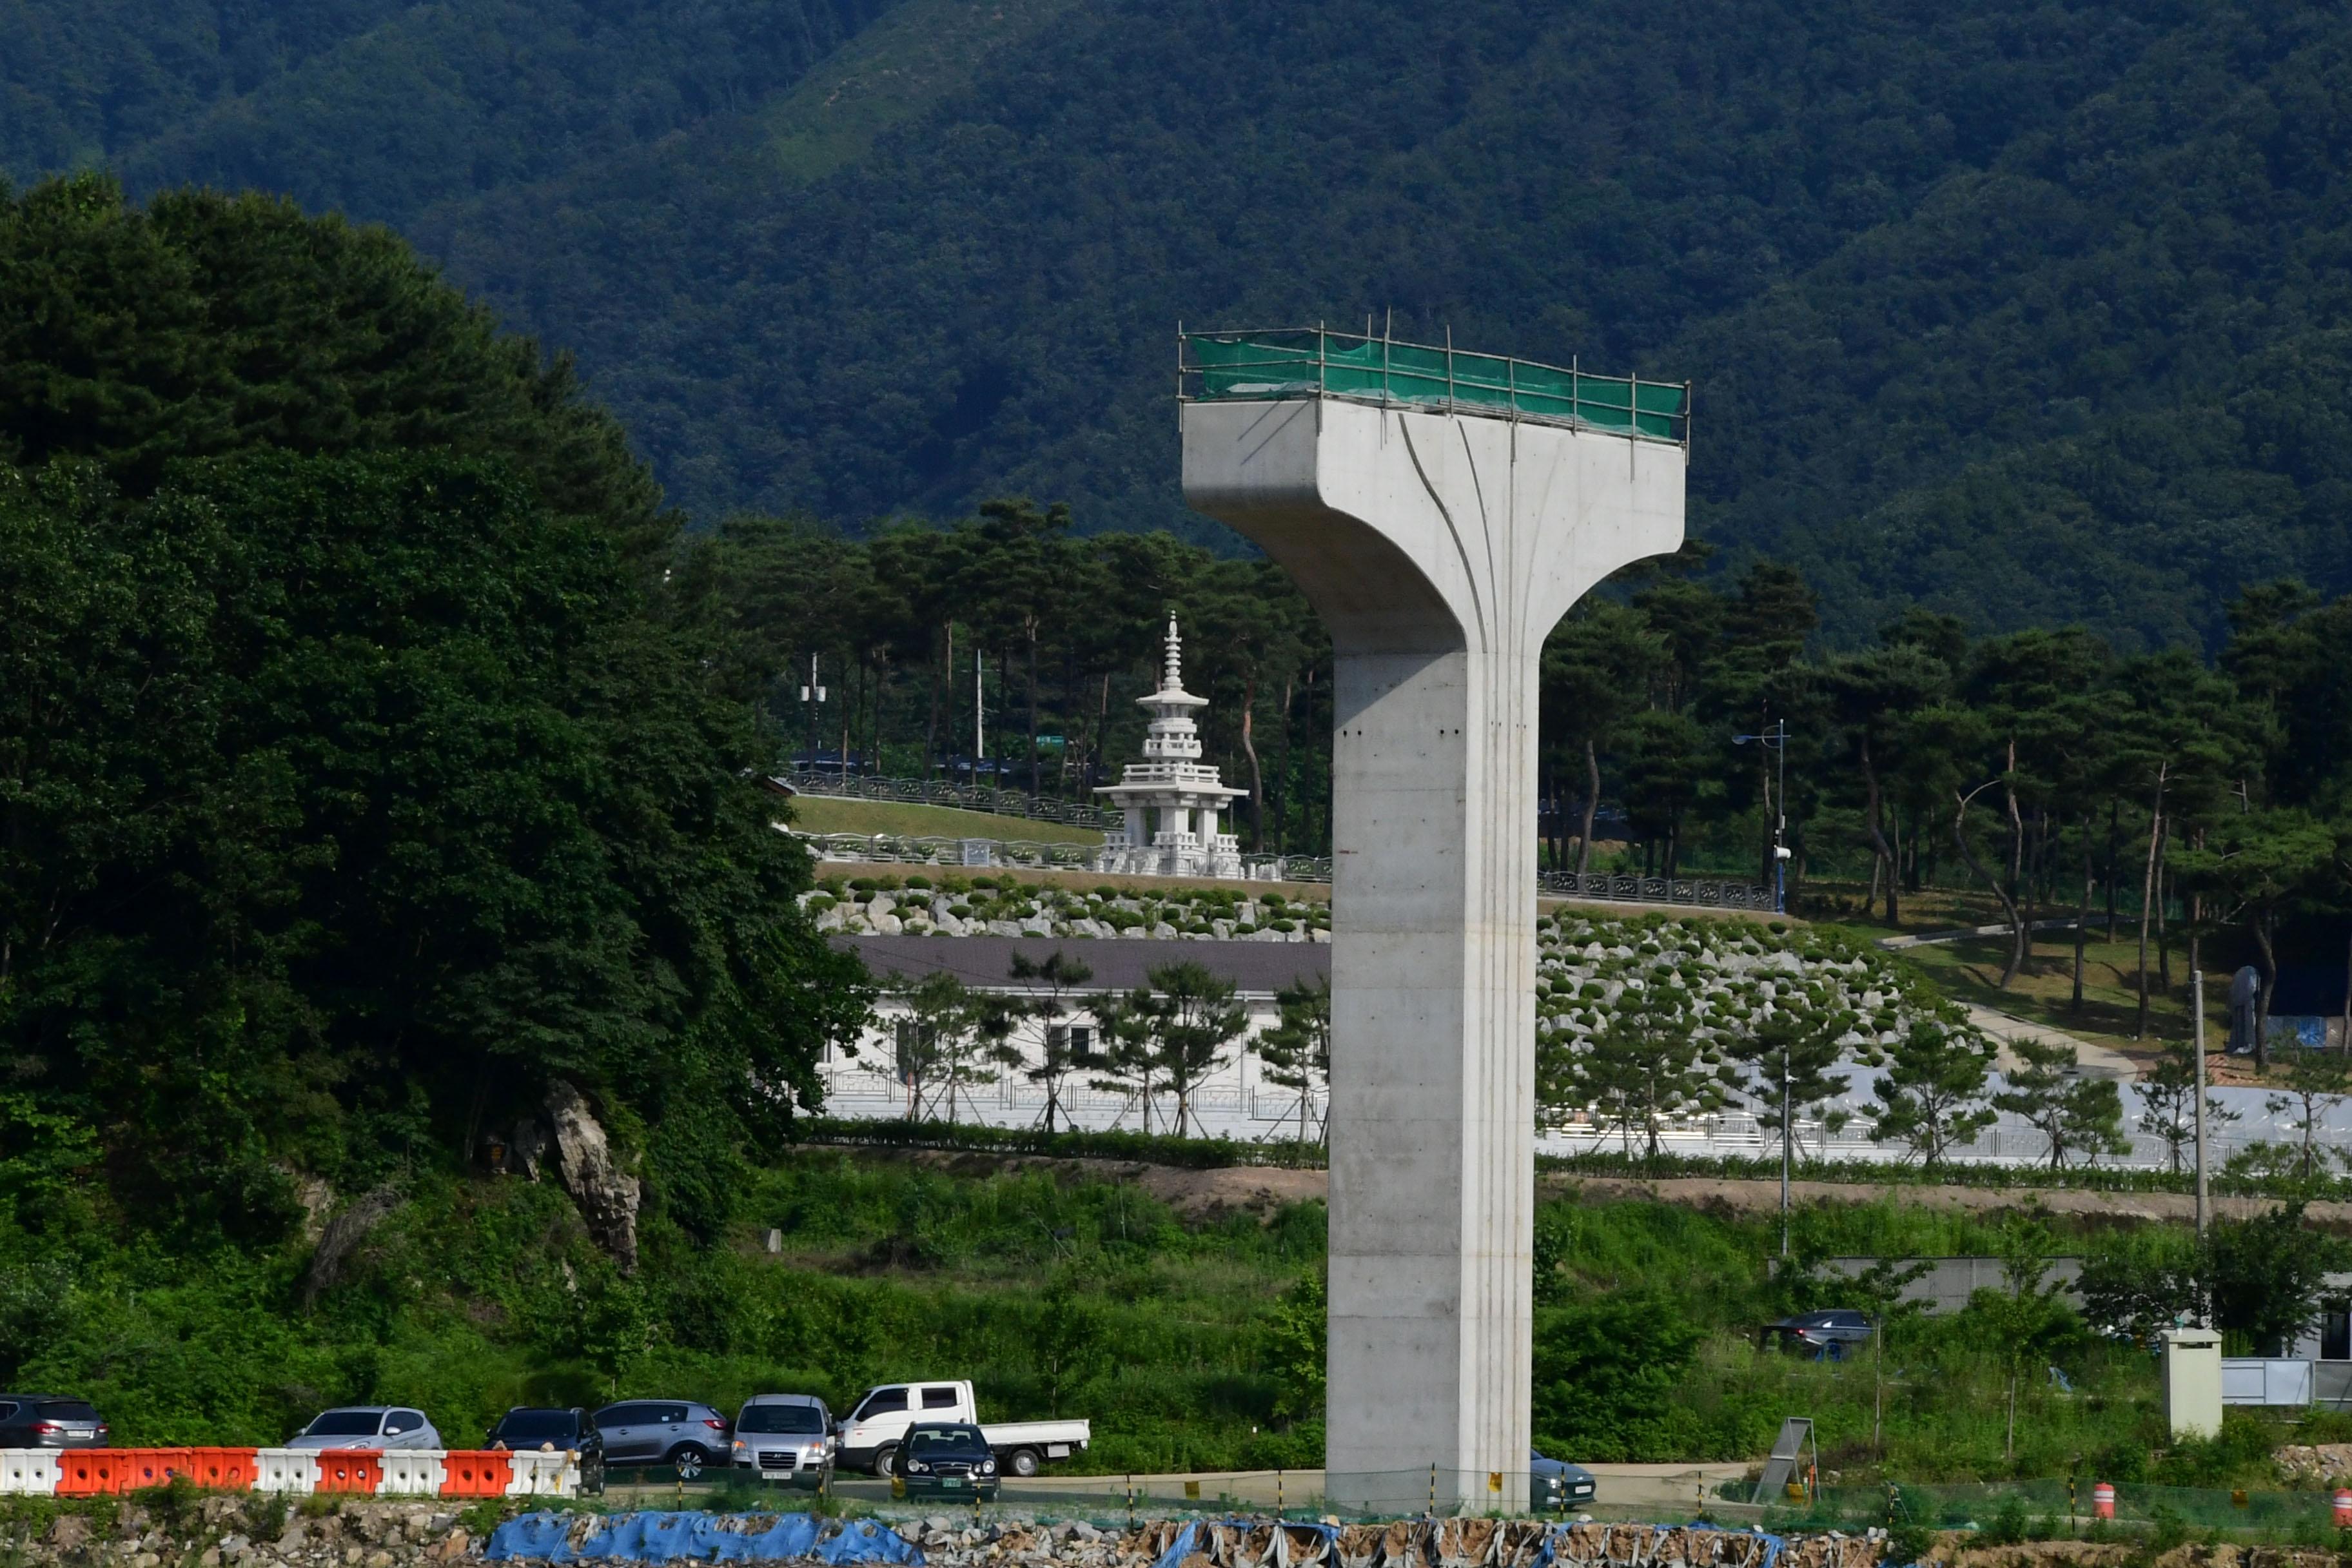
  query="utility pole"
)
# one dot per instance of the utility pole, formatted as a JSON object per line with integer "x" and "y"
{"x": 2197, "y": 1045}
{"x": 1787, "y": 1127}
{"x": 979, "y": 712}
{"x": 1776, "y": 740}
{"x": 812, "y": 695}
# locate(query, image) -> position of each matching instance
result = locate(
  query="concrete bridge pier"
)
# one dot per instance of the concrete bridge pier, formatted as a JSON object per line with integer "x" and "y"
{"x": 1439, "y": 548}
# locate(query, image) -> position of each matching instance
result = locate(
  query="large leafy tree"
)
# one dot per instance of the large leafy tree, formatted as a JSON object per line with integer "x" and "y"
{"x": 355, "y": 782}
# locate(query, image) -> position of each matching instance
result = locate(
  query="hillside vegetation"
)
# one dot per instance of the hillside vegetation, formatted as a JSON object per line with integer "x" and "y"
{"x": 2027, "y": 311}
{"x": 1190, "y": 1344}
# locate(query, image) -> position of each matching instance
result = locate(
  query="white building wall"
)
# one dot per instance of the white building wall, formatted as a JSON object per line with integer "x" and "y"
{"x": 1235, "y": 1101}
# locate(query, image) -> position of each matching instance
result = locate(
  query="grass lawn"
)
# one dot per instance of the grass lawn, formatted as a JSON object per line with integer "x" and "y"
{"x": 824, "y": 814}
{"x": 1969, "y": 971}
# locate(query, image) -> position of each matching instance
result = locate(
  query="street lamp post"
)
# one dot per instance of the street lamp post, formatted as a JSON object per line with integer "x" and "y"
{"x": 811, "y": 697}
{"x": 1776, "y": 740}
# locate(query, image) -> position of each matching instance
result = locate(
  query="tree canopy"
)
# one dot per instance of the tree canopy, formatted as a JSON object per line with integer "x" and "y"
{"x": 356, "y": 781}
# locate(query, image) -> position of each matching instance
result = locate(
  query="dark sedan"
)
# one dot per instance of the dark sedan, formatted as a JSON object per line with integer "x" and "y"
{"x": 1831, "y": 1335}
{"x": 548, "y": 1430}
{"x": 944, "y": 1458}
{"x": 1557, "y": 1484}
{"x": 49, "y": 1421}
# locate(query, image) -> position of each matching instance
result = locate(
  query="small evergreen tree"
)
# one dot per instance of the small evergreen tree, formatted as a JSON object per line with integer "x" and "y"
{"x": 1296, "y": 1054}
{"x": 1059, "y": 974}
{"x": 1644, "y": 1069}
{"x": 1189, "y": 1018}
{"x": 2168, "y": 1100}
{"x": 1933, "y": 1096}
{"x": 2083, "y": 1118}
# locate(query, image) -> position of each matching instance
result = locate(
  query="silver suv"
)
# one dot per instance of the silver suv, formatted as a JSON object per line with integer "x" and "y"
{"x": 662, "y": 1432}
{"x": 786, "y": 1437}
{"x": 367, "y": 1426}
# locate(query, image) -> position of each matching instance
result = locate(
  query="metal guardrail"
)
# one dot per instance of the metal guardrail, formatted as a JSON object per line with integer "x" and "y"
{"x": 1703, "y": 894}
{"x": 1282, "y": 362}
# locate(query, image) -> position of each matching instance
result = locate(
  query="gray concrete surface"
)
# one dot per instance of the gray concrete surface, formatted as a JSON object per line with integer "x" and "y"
{"x": 1439, "y": 551}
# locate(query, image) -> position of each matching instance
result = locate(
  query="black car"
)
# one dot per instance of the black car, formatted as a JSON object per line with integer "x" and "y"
{"x": 49, "y": 1421}
{"x": 944, "y": 1458}
{"x": 546, "y": 1430}
{"x": 1831, "y": 1335}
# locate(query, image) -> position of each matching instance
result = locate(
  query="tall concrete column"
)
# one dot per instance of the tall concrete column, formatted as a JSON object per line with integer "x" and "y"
{"x": 1439, "y": 550}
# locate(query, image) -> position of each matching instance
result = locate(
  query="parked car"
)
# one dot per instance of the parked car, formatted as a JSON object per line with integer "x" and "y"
{"x": 367, "y": 1426}
{"x": 1557, "y": 1484}
{"x": 944, "y": 1458}
{"x": 49, "y": 1421}
{"x": 871, "y": 1433}
{"x": 663, "y": 1432}
{"x": 1826, "y": 1335}
{"x": 786, "y": 1437}
{"x": 545, "y": 1429}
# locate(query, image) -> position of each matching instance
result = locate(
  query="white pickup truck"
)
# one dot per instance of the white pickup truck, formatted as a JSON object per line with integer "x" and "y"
{"x": 872, "y": 1431}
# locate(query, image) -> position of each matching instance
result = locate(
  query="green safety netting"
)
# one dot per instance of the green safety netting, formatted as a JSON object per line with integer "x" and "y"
{"x": 1307, "y": 363}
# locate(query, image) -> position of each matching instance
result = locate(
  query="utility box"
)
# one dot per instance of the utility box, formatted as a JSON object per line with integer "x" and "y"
{"x": 2192, "y": 1383}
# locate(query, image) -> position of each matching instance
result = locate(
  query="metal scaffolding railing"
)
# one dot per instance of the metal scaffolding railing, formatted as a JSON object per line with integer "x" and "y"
{"x": 1286, "y": 362}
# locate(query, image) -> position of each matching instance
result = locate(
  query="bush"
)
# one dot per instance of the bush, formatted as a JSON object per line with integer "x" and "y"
{"x": 2008, "y": 1526}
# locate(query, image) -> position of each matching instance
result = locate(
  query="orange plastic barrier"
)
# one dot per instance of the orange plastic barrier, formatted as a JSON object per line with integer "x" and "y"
{"x": 144, "y": 1467}
{"x": 91, "y": 1472}
{"x": 350, "y": 1471}
{"x": 219, "y": 1469}
{"x": 476, "y": 1473}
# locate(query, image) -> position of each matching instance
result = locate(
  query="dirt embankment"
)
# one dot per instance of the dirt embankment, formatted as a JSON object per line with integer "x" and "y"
{"x": 1262, "y": 1189}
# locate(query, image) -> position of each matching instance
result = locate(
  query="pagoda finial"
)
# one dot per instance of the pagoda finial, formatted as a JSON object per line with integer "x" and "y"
{"x": 1171, "y": 675}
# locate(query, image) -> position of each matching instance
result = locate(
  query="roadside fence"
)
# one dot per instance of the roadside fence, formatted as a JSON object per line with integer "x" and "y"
{"x": 2051, "y": 1508}
{"x": 929, "y": 849}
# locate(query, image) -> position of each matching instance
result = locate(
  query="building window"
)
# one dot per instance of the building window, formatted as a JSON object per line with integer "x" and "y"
{"x": 2335, "y": 1332}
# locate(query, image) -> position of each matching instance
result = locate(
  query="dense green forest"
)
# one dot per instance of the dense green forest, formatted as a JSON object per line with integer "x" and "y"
{"x": 2026, "y": 312}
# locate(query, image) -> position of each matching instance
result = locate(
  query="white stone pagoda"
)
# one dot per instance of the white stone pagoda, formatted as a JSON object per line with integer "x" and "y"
{"x": 1172, "y": 798}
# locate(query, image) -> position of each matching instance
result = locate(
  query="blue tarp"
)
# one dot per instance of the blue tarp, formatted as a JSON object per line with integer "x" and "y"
{"x": 1181, "y": 1547}
{"x": 701, "y": 1537}
{"x": 864, "y": 1540}
{"x": 544, "y": 1536}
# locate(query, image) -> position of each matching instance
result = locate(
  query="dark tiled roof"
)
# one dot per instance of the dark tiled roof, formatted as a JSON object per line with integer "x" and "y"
{"x": 1119, "y": 964}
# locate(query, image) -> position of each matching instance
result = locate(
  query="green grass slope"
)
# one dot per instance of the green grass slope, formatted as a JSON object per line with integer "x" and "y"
{"x": 824, "y": 814}
{"x": 1191, "y": 1342}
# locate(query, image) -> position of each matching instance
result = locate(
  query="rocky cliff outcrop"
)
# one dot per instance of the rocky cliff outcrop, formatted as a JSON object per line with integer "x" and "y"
{"x": 607, "y": 1195}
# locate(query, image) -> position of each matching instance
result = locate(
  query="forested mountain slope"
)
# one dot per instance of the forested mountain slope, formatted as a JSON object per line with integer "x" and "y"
{"x": 2029, "y": 310}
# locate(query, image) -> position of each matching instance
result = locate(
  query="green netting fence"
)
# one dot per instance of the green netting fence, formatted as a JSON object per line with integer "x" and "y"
{"x": 2048, "y": 1510}
{"x": 1311, "y": 361}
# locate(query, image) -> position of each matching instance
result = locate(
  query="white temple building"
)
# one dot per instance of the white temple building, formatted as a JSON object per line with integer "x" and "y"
{"x": 1172, "y": 799}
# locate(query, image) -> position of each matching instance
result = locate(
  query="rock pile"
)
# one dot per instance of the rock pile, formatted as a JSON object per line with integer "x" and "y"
{"x": 224, "y": 1532}
{"x": 241, "y": 1531}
